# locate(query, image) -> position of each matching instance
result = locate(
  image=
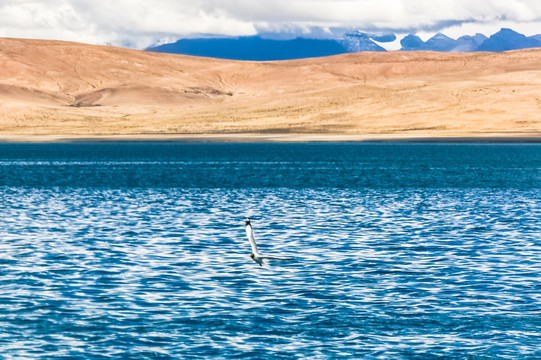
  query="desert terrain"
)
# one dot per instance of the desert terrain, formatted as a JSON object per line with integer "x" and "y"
{"x": 54, "y": 90}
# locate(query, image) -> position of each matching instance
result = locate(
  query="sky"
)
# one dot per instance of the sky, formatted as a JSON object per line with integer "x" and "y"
{"x": 141, "y": 23}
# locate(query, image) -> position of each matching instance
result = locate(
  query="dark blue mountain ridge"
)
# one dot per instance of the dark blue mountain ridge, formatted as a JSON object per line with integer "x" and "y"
{"x": 468, "y": 43}
{"x": 507, "y": 39}
{"x": 384, "y": 38}
{"x": 261, "y": 49}
{"x": 440, "y": 42}
{"x": 503, "y": 40}
{"x": 443, "y": 43}
{"x": 412, "y": 42}
{"x": 253, "y": 48}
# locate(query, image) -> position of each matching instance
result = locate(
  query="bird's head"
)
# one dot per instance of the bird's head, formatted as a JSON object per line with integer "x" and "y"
{"x": 247, "y": 222}
{"x": 252, "y": 255}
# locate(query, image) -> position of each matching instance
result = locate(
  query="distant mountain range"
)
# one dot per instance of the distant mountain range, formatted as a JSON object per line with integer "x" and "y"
{"x": 253, "y": 48}
{"x": 258, "y": 48}
{"x": 503, "y": 40}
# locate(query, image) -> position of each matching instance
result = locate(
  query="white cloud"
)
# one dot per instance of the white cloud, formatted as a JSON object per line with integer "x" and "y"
{"x": 138, "y": 23}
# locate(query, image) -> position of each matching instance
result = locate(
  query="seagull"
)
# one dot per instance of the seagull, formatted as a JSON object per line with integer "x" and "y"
{"x": 255, "y": 254}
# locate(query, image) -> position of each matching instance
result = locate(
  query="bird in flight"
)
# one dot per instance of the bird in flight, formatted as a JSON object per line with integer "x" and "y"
{"x": 255, "y": 255}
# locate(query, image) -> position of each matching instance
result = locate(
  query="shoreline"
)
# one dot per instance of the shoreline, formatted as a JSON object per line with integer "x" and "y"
{"x": 532, "y": 138}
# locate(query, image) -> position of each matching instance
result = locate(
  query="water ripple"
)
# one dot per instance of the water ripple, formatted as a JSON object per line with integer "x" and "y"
{"x": 166, "y": 273}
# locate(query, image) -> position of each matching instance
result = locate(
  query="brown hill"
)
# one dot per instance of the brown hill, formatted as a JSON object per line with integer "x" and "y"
{"x": 61, "y": 88}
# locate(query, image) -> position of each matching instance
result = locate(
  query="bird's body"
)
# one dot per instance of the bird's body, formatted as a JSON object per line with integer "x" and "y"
{"x": 255, "y": 253}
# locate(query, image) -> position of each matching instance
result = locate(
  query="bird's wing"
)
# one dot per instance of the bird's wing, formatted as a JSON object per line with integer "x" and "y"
{"x": 250, "y": 234}
{"x": 276, "y": 258}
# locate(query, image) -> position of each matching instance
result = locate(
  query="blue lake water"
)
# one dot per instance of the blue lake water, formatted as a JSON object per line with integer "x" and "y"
{"x": 402, "y": 251}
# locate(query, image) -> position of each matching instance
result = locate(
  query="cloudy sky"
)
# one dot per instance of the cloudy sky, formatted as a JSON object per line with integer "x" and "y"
{"x": 139, "y": 23}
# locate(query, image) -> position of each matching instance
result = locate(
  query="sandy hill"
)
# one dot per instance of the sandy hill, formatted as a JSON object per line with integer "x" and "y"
{"x": 61, "y": 88}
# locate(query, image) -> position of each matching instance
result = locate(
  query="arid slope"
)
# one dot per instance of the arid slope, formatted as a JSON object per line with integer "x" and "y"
{"x": 70, "y": 89}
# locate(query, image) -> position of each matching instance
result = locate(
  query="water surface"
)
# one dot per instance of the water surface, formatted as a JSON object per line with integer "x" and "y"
{"x": 137, "y": 251}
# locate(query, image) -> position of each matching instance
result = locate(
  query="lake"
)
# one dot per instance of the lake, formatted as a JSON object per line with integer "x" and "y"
{"x": 401, "y": 251}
